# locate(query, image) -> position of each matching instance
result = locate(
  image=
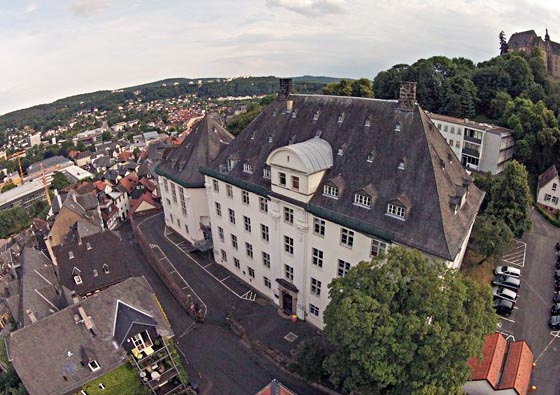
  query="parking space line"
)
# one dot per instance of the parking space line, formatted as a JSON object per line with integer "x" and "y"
{"x": 225, "y": 278}
{"x": 210, "y": 264}
{"x": 554, "y": 335}
{"x": 507, "y": 319}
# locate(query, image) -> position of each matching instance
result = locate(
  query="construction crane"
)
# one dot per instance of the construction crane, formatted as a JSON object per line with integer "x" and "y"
{"x": 45, "y": 185}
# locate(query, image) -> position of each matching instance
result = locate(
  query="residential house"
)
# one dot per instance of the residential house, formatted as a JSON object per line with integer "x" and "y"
{"x": 316, "y": 184}
{"x": 184, "y": 195}
{"x": 547, "y": 190}
{"x": 90, "y": 264}
{"x": 505, "y": 368}
{"x": 61, "y": 353}
{"x": 479, "y": 146}
{"x": 83, "y": 158}
{"x": 143, "y": 205}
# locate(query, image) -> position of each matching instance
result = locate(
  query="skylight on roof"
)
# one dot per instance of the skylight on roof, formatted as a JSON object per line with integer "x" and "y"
{"x": 316, "y": 116}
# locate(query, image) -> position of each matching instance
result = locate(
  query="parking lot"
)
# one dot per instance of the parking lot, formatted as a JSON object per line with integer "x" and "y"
{"x": 535, "y": 256}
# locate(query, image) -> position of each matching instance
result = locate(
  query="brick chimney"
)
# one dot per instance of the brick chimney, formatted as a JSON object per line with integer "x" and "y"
{"x": 407, "y": 95}
{"x": 285, "y": 88}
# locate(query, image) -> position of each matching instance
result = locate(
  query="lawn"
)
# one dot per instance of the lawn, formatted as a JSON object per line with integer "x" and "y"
{"x": 471, "y": 267}
{"x": 121, "y": 381}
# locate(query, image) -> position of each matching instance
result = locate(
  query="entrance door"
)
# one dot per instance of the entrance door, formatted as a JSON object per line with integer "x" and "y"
{"x": 287, "y": 303}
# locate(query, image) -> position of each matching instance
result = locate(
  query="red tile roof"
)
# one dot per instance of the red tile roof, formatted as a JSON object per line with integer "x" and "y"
{"x": 493, "y": 354}
{"x": 275, "y": 388}
{"x": 145, "y": 197}
{"x": 148, "y": 184}
{"x": 518, "y": 367}
{"x": 100, "y": 185}
{"x": 129, "y": 182}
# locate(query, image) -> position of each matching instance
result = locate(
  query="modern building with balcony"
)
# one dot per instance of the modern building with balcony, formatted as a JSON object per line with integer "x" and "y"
{"x": 479, "y": 146}
{"x": 23, "y": 195}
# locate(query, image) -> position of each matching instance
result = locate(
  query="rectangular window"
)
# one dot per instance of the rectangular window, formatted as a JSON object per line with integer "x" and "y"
{"x": 267, "y": 282}
{"x": 554, "y": 186}
{"x": 288, "y": 215}
{"x": 251, "y": 272}
{"x": 282, "y": 179}
{"x": 343, "y": 268}
{"x": 236, "y": 263}
{"x": 396, "y": 211}
{"x": 318, "y": 226}
{"x": 313, "y": 310}
{"x": 168, "y": 201}
{"x": 221, "y": 233}
{"x": 451, "y": 142}
{"x": 231, "y": 216}
{"x": 216, "y": 185}
{"x": 346, "y": 237}
{"x": 247, "y": 223}
{"x": 452, "y": 129}
{"x": 445, "y": 128}
{"x": 264, "y": 232}
{"x": 289, "y": 272}
{"x": 218, "y": 209}
{"x": 263, "y": 204}
{"x": 245, "y": 197}
{"x": 457, "y": 144}
{"x": 224, "y": 256}
{"x": 174, "y": 193}
{"x": 295, "y": 183}
{"x": 317, "y": 257}
{"x": 554, "y": 200}
{"x": 166, "y": 185}
{"x": 266, "y": 259}
{"x": 362, "y": 200}
{"x": 247, "y": 168}
{"x": 378, "y": 247}
{"x": 187, "y": 228}
{"x": 229, "y": 191}
{"x": 249, "y": 250}
{"x": 289, "y": 245}
{"x": 547, "y": 197}
{"x": 315, "y": 287}
{"x": 330, "y": 191}
{"x": 182, "y": 200}
{"x": 266, "y": 172}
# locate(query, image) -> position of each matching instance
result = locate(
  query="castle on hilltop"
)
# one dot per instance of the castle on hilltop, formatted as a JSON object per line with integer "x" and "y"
{"x": 550, "y": 50}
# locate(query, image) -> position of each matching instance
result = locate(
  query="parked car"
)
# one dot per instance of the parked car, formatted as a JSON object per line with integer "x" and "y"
{"x": 558, "y": 246}
{"x": 557, "y": 274}
{"x": 510, "y": 282}
{"x": 558, "y": 263}
{"x": 508, "y": 271}
{"x": 555, "y": 309}
{"x": 503, "y": 307}
{"x": 557, "y": 285}
{"x": 554, "y": 322}
{"x": 504, "y": 293}
{"x": 556, "y": 297}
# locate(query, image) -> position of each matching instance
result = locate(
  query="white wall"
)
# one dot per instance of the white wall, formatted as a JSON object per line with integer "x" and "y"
{"x": 552, "y": 189}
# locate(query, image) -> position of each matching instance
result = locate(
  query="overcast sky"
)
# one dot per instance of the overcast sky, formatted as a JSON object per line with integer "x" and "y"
{"x": 55, "y": 48}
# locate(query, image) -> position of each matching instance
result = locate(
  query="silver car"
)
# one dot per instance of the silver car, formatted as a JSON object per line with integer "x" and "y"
{"x": 504, "y": 293}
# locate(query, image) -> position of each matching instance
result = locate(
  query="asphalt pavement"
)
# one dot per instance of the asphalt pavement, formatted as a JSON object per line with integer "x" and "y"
{"x": 529, "y": 321}
{"x": 216, "y": 359}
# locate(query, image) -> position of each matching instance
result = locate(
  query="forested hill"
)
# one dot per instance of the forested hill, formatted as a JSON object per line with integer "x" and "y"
{"x": 48, "y": 116}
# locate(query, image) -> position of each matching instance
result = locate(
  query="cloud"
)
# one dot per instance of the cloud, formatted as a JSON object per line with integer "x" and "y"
{"x": 29, "y": 8}
{"x": 85, "y": 8}
{"x": 310, "y": 7}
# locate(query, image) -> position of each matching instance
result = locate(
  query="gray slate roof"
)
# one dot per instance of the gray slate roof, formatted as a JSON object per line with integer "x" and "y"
{"x": 51, "y": 355}
{"x": 199, "y": 148}
{"x": 431, "y": 178}
{"x": 49, "y": 162}
{"x": 315, "y": 153}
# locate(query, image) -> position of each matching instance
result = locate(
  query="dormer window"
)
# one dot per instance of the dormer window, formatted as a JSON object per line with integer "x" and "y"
{"x": 274, "y": 113}
{"x": 340, "y": 152}
{"x": 362, "y": 200}
{"x": 70, "y": 255}
{"x": 398, "y": 127}
{"x": 95, "y": 273}
{"x": 247, "y": 168}
{"x": 88, "y": 246}
{"x": 253, "y": 136}
{"x": 266, "y": 173}
{"x": 396, "y": 211}
{"x": 94, "y": 365}
{"x": 270, "y": 139}
{"x": 401, "y": 165}
{"x": 367, "y": 123}
{"x": 341, "y": 118}
{"x": 330, "y": 191}
{"x": 106, "y": 269}
{"x": 294, "y": 113}
{"x": 231, "y": 164}
{"x": 78, "y": 279}
{"x": 371, "y": 156}
{"x": 316, "y": 116}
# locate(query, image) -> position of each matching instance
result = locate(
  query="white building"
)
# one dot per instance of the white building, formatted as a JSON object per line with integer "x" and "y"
{"x": 23, "y": 195}
{"x": 316, "y": 184}
{"x": 548, "y": 191}
{"x": 479, "y": 146}
{"x": 183, "y": 193}
{"x": 34, "y": 139}
{"x": 75, "y": 174}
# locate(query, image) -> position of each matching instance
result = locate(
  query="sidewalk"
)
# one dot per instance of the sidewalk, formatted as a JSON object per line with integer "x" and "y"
{"x": 265, "y": 329}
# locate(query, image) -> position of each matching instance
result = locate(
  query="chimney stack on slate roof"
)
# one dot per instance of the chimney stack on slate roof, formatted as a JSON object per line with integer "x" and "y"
{"x": 407, "y": 95}
{"x": 285, "y": 88}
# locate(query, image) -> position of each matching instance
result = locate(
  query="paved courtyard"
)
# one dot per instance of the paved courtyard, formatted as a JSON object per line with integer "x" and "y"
{"x": 535, "y": 256}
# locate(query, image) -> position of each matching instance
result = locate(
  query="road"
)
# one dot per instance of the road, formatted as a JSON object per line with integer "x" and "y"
{"x": 530, "y": 321}
{"x": 219, "y": 361}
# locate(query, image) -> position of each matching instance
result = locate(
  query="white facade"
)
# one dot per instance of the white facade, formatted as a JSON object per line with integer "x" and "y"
{"x": 186, "y": 210}
{"x": 478, "y": 146}
{"x": 548, "y": 195}
{"x": 75, "y": 174}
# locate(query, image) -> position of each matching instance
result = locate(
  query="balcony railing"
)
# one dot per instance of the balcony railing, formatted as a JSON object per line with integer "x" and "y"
{"x": 471, "y": 152}
{"x": 472, "y": 139}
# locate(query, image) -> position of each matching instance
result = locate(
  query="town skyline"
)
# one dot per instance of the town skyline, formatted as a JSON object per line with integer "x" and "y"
{"x": 59, "y": 49}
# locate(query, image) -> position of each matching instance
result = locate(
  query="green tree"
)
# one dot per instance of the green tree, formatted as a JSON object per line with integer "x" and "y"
{"x": 7, "y": 186}
{"x": 503, "y": 43}
{"x": 405, "y": 326}
{"x": 59, "y": 181}
{"x": 386, "y": 84}
{"x": 490, "y": 236}
{"x": 511, "y": 198}
{"x": 520, "y": 74}
{"x": 106, "y": 136}
{"x": 362, "y": 88}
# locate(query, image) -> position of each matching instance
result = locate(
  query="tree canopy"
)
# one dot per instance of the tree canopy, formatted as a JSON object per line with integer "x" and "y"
{"x": 405, "y": 326}
{"x": 59, "y": 181}
{"x": 356, "y": 88}
{"x": 490, "y": 236}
